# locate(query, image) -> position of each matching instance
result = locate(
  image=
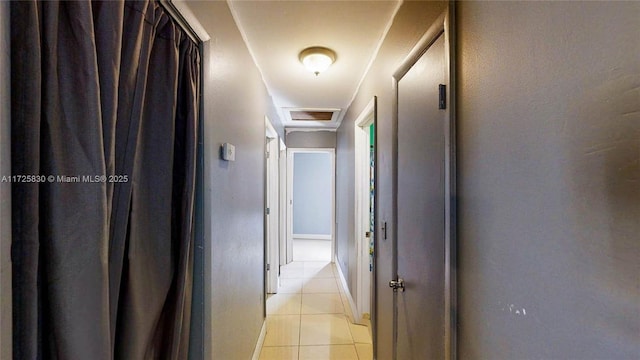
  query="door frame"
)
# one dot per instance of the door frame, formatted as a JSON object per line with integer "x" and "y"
{"x": 443, "y": 25}
{"x": 290, "y": 169}
{"x": 286, "y": 253}
{"x": 271, "y": 213}
{"x": 362, "y": 196}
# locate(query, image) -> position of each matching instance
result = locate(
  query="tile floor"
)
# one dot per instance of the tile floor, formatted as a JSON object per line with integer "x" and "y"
{"x": 309, "y": 317}
{"x": 311, "y": 250}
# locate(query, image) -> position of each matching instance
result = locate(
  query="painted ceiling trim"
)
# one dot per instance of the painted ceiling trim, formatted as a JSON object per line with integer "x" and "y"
{"x": 284, "y": 94}
{"x": 375, "y": 54}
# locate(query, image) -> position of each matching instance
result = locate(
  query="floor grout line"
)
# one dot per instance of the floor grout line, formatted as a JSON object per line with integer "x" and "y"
{"x": 300, "y": 322}
{"x": 343, "y": 315}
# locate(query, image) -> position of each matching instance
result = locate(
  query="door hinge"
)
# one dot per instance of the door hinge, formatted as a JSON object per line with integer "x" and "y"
{"x": 384, "y": 230}
{"x": 267, "y": 154}
{"x": 442, "y": 102}
{"x": 268, "y": 267}
{"x": 268, "y": 211}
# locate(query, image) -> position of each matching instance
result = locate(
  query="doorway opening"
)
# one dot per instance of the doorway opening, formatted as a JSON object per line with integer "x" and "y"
{"x": 365, "y": 150}
{"x": 311, "y": 204}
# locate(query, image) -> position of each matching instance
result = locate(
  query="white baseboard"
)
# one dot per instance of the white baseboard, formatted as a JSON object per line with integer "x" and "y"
{"x": 354, "y": 313}
{"x": 311, "y": 237}
{"x": 258, "y": 349}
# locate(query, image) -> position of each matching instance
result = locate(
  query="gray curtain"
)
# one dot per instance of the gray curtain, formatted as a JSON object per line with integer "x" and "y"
{"x": 102, "y": 269}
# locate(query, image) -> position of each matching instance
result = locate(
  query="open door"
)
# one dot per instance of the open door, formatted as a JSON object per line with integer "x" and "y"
{"x": 423, "y": 284}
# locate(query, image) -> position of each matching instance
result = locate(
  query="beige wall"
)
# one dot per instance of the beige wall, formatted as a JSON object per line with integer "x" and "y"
{"x": 5, "y": 189}
{"x": 235, "y": 104}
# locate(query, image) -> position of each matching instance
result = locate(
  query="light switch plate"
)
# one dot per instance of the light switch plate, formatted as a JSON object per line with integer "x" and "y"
{"x": 228, "y": 152}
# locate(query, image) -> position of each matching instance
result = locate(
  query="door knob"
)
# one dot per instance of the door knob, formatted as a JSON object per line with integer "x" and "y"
{"x": 397, "y": 284}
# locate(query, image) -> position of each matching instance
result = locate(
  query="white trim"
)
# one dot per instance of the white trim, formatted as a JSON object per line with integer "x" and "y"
{"x": 289, "y": 130}
{"x": 270, "y": 130}
{"x": 366, "y": 116}
{"x": 243, "y": 34}
{"x": 347, "y": 293}
{"x": 290, "y": 169}
{"x": 289, "y": 206}
{"x": 311, "y": 236}
{"x": 374, "y": 55}
{"x": 260, "y": 343}
{"x": 282, "y": 231}
{"x": 361, "y": 206}
{"x": 272, "y": 197}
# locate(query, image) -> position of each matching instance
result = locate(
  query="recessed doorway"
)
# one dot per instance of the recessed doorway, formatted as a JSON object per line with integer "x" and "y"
{"x": 311, "y": 203}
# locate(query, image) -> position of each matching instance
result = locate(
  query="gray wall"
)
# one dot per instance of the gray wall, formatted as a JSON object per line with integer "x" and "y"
{"x": 411, "y": 22}
{"x": 548, "y": 151}
{"x": 311, "y": 139}
{"x": 312, "y": 198}
{"x": 549, "y": 180}
{"x": 5, "y": 189}
{"x": 235, "y": 103}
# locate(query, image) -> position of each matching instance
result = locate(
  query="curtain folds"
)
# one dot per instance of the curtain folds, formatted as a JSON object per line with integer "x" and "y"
{"x": 102, "y": 91}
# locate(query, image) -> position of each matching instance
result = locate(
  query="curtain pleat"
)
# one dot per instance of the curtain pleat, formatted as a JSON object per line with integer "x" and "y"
{"x": 73, "y": 217}
{"x": 149, "y": 255}
{"x": 108, "y": 43}
{"x": 102, "y": 270}
{"x": 184, "y": 193}
{"x": 136, "y": 49}
{"x": 26, "y": 80}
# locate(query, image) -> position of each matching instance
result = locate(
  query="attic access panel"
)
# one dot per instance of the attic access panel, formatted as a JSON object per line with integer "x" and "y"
{"x": 311, "y": 115}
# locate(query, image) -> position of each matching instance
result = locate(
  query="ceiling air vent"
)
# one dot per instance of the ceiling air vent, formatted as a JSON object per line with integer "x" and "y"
{"x": 311, "y": 115}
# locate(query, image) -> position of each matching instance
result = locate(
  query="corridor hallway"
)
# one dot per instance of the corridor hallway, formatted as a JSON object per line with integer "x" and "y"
{"x": 540, "y": 162}
{"x": 309, "y": 317}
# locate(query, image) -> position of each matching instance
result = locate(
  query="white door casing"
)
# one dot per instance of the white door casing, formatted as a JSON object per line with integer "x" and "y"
{"x": 290, "y": 171}
{"x": 286, "y": 254}
{"x": 362, "y": 211}
{"x": 272, "y": 221}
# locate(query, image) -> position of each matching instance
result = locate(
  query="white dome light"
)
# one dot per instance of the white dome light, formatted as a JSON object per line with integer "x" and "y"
{"x": 317, "y": 59}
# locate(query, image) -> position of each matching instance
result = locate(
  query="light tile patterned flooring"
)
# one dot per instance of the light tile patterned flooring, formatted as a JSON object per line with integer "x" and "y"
{"x": 311, "y": 250}
{"x": 309, "y": 317}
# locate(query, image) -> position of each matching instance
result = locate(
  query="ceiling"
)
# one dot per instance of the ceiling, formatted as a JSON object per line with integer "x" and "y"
{"x": 276, "y": 32}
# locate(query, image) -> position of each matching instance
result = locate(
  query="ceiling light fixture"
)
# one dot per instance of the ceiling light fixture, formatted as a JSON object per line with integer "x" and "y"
{"x": 317, "y": 59}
